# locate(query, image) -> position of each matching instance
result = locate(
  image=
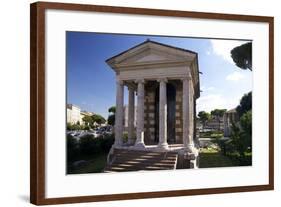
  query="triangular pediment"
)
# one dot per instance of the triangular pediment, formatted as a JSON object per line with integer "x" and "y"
{"x": 151, "y": 52}
{"x": 150, "y": 55}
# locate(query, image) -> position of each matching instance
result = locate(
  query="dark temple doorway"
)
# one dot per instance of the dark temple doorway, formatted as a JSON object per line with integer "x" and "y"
{"x": 171, "y": 114}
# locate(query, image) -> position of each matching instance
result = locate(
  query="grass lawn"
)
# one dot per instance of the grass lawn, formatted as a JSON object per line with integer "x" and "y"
{"x": 211, "y": 134}
{"x": 213, "y": 158}
{"x": 95, "y": 164}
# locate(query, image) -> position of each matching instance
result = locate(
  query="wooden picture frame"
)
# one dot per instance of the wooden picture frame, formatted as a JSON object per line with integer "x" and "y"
{"x": 38, "y": 98}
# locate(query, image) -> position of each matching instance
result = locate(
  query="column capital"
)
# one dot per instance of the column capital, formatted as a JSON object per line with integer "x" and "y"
{"x": 120, "y": 82}
{"x": 130, "y": 87}
{"x": 186, "y": 78}
{"x": 165, "y": 80}
{"x": 140, "y": 81}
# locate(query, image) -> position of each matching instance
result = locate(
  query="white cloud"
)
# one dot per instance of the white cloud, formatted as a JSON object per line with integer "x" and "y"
{"x": 223, "y": 47}
{"x": 216, "y": 101}
{"x": 204, "y": 89}
{"x": 210, "y": 102}
{"x": 235, "y": 76}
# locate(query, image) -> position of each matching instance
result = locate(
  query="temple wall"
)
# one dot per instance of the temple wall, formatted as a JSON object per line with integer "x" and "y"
{"x": 179, "y": 123}
{"x": 149, "y": 114}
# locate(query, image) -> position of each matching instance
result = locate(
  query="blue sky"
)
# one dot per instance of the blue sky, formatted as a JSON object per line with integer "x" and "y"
{"x": 91, "y": 82}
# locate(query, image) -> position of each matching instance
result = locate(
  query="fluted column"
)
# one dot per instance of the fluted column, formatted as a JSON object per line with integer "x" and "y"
{"x": 187, "y": 112}
{"x": 119, "y": 113}
{"x": 131, "y": 114}
{"x": 140, "y": 115}
{"x": 163, "y": 114}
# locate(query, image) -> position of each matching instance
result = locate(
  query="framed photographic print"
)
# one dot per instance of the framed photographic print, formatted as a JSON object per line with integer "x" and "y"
{"x": 130, "y": 103}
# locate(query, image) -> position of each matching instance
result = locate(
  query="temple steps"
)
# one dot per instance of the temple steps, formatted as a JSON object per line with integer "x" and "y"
{"x": 136, "y": 160}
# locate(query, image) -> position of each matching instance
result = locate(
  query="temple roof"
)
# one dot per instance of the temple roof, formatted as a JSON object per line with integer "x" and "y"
{"x": 153, "y": 42}
{"x": 150, "y": 55}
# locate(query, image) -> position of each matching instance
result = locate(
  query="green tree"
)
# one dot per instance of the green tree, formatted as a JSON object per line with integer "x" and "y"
{"x": 204, "y": 117}
{"x": 218, "y": 114}
{"x": 112, "y": 109}
{"x": 246, "y": 126}
{"x": 245, "y": 104}
{"x": 111, "y": 116}
{"x": 98, "y": 119}
{"x": 86, "y": 128}
{"x": 111, "y": 119}
{"x": 76, "y": 127}
{"x": 69, "y": 126}
{"x": 241, "y": 138}
{"x": 88, "y": 120}
{"x": 242, "y": 56}
{"x": 241, "y": 132}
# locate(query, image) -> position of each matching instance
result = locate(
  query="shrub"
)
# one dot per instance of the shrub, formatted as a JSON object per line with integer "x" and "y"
{"x": 107, "y": 142}
{"x": 89, "y": 145}
{"x": 222, "y": 144}
{"x": 72, "y": 148}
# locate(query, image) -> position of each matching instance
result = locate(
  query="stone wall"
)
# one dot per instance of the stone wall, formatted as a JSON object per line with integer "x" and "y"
{"x": 179, "y": 113}
{"x": 149, "y": 112}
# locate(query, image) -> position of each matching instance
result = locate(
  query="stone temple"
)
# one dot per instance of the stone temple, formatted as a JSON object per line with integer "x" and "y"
{"x": 165, "y": 81}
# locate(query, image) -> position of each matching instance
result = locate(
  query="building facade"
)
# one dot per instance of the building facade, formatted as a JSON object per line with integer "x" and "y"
{"x": 73, "y": 114}
{"x": 215, "y": 123}
{"x": 165, "y": 80}
{"x": 230, "y": 117}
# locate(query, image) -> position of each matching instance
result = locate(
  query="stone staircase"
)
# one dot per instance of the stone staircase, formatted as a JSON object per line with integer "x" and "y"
{"x": 124, "y": 160}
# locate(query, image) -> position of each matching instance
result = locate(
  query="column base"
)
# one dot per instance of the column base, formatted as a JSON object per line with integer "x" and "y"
{"x": 163, "y": 146}
{"x": 191, "y": 149}
{"x": 139, "y": 145}
{"x": 117, "y": 145}
{"x": 188, "y": 159}
{"x": 130, "y": 141}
